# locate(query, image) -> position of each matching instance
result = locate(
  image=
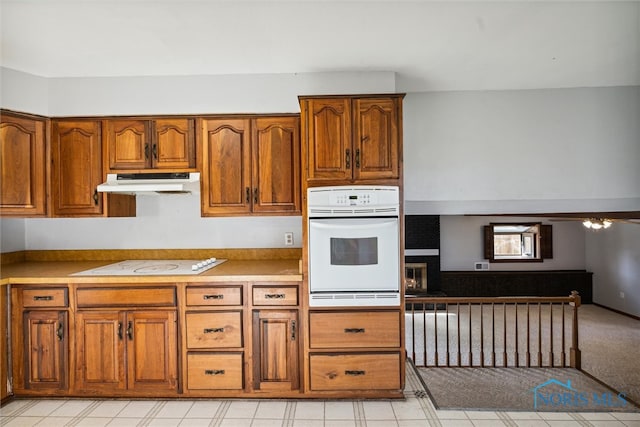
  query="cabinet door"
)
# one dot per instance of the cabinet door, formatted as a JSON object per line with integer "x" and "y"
{"x": 128, "y": 144}
{"x": 45, "y": 349}
{"x": 328, "y": 139}
{"x": 226, "y": 167}
{"x": 275, "y": 350}
{"x": 376, "y": 138}
{"x": 100, "y": 350}
{"x": 4, "y": 343}
{"x": 22, "y": 167}
{"x": 152, "y": 350}
{"x": 276, "y": 165}
{"x": 76, "y": 167}
{"x": 173, "y": 144}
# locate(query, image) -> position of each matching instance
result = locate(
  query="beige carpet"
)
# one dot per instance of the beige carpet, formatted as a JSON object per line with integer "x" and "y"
{"x": 520, "y": 389}
{"x": 609, "y": 343}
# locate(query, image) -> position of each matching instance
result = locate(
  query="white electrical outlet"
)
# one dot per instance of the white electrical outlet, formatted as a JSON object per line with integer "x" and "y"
{"x": 622, "y": 295}
{"x": 288, "y": 238}
{"x": 479, "y": 266}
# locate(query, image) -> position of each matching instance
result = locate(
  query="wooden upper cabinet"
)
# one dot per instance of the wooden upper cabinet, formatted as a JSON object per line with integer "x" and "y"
{"x": 138, "y": 145}
{"x": 276, "y": 164}
{"x": 250, "y": 165}
{"x": 22, "y": 166}
{"x": 226, "y": 167}
{"x": 351, "y": 138}
{"x": 376, "y": 138}
{"x": 329, "y": 139}
{"x": 76, "y": 167}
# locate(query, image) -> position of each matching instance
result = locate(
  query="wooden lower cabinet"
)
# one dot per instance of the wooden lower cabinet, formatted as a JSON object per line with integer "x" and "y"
{"x": 133, "y": 351}
{"x": 40, "y": 340}
{"x": 215, "y": 371}
{"x": 275, "y": 350}
{"x": 4, "y": 343}
{"x": 45, "y": 349}
{"x": 368, "y": 371}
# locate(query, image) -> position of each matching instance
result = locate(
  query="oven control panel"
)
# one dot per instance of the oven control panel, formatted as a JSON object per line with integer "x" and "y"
{"x": 353, "y": 199}
{"x": 346, "y": 196}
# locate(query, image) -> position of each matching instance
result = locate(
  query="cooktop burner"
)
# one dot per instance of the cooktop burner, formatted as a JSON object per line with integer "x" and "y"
{"x": 154, "y": 267}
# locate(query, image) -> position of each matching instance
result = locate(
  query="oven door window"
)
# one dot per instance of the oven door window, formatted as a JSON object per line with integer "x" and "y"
{"x": 354, "y": 251}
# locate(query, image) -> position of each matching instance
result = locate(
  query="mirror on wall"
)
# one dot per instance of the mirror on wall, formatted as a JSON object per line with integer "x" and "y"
{"x": 517, "y": 242}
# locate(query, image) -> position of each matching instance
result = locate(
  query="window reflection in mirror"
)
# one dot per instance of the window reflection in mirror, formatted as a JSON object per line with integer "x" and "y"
{"x": 517, "y": 242}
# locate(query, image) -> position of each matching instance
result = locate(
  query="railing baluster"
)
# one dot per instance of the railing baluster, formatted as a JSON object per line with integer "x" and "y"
{"x": 435, "y": 331}
{"x": 424, "y": 333}
{"x": 551, "y": 354}
{"x": 447, "y": 324}
{"x": 470, "y": 342}
{"x": 516, "y": 335}
{"x": 459, "y": 341}
{"x": 528, "y": 356}
{"x": 481, "y": 335}
{"x": 504, "y": 332}
{"x": 539, "y": 335}
{"x": 493, "y": 335}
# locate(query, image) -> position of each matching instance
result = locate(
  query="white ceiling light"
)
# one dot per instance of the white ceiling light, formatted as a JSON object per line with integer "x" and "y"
{"x": 596, "y": 223}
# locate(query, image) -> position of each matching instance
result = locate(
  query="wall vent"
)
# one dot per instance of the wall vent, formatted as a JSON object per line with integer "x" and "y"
{"x": 481, "y": 266}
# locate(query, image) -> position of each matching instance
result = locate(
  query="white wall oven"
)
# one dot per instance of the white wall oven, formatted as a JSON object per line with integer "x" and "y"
{"x": 354, "y": 246}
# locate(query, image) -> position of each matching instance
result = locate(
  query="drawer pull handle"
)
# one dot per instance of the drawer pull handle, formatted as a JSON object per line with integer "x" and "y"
{"x": 354, "y": 330}
{"x": 130, "y": 331}
{"x": 213, "y": 330}
{"x": 274, "y": 296}
{"x": 214, "y": 371}
{"x": 354, "y": 373}
{"x": 218, "y": 296}
{"x": 43, "y": 298}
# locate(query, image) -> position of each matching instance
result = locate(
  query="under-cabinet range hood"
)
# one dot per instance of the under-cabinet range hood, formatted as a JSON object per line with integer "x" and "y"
{"x": 151, "y": 183}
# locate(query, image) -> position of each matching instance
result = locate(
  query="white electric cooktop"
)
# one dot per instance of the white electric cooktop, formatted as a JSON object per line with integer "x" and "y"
{"x": 153, "y": 267}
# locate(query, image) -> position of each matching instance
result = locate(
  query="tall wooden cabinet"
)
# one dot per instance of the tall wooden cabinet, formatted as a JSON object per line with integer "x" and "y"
{"x": 351, "y": 138}
{"x": 250, "y": 165}
{"x": 143, "y": 144}
{"x": 23, "y": 172}
{"x": 4, "y": 342}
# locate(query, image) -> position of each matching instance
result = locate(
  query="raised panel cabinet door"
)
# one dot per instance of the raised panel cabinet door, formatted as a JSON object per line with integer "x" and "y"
{"x": 328, "y": 139}
{"x": 46, "y": 349}
{"x": 128, "y": 144}
{"x": 173, "y": 145}
{"x": 275, "y": 350}
{"x": 226, "y": 167}
{"x": 100, "y": 345}
{"x": 22, "y": 167}
{"x": 376, "y": 138}
{"x": 152, "y": 350}
{"x": 76, "y": 167}
{"x": 276, "y": 165}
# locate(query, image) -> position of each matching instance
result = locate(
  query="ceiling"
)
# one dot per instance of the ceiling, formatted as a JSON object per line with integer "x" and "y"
{"x": 430, "y": 45}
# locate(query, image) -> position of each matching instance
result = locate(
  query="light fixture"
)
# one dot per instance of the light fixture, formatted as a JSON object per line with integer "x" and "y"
{"x": 596, "y": 223}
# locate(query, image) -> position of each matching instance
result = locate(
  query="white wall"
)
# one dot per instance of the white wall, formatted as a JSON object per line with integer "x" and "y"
{"x": 527, "y": 151}
{"x": 166, "y": 221}
{"x": 462, "y": 244}
{"x": 614, "y": 257}
{"x": 24, "y": 92}
{"x": 12, "y": 234}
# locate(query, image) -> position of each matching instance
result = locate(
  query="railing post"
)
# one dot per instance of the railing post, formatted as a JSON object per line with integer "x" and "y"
{"x": 575, "y": 357}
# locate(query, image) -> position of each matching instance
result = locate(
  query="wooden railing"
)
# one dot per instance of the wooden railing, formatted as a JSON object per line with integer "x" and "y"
{"x": 493, "y": 332}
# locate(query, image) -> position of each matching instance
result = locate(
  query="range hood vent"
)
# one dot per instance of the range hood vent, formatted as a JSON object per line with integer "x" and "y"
{"x": 151, "y": 183}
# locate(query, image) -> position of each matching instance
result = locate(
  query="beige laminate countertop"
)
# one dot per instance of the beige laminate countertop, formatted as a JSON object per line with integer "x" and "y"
{"x": 56, "y": 272}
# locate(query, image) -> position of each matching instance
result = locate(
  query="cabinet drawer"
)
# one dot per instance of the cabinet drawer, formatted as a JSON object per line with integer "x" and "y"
{"x": 221, "y": 329}
{"x": 371, "y": 371}
{"x": 275, "y": 295}
{"x": 54, "y": 297}
{"x": 209, "y": 295}
{"x": 209, "y": 371}
{"x": 125, "y": 297}
{"x": 355, "y": 329}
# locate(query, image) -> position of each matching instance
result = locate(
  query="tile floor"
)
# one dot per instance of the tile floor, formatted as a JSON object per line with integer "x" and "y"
{"x": 415, "y": 410}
